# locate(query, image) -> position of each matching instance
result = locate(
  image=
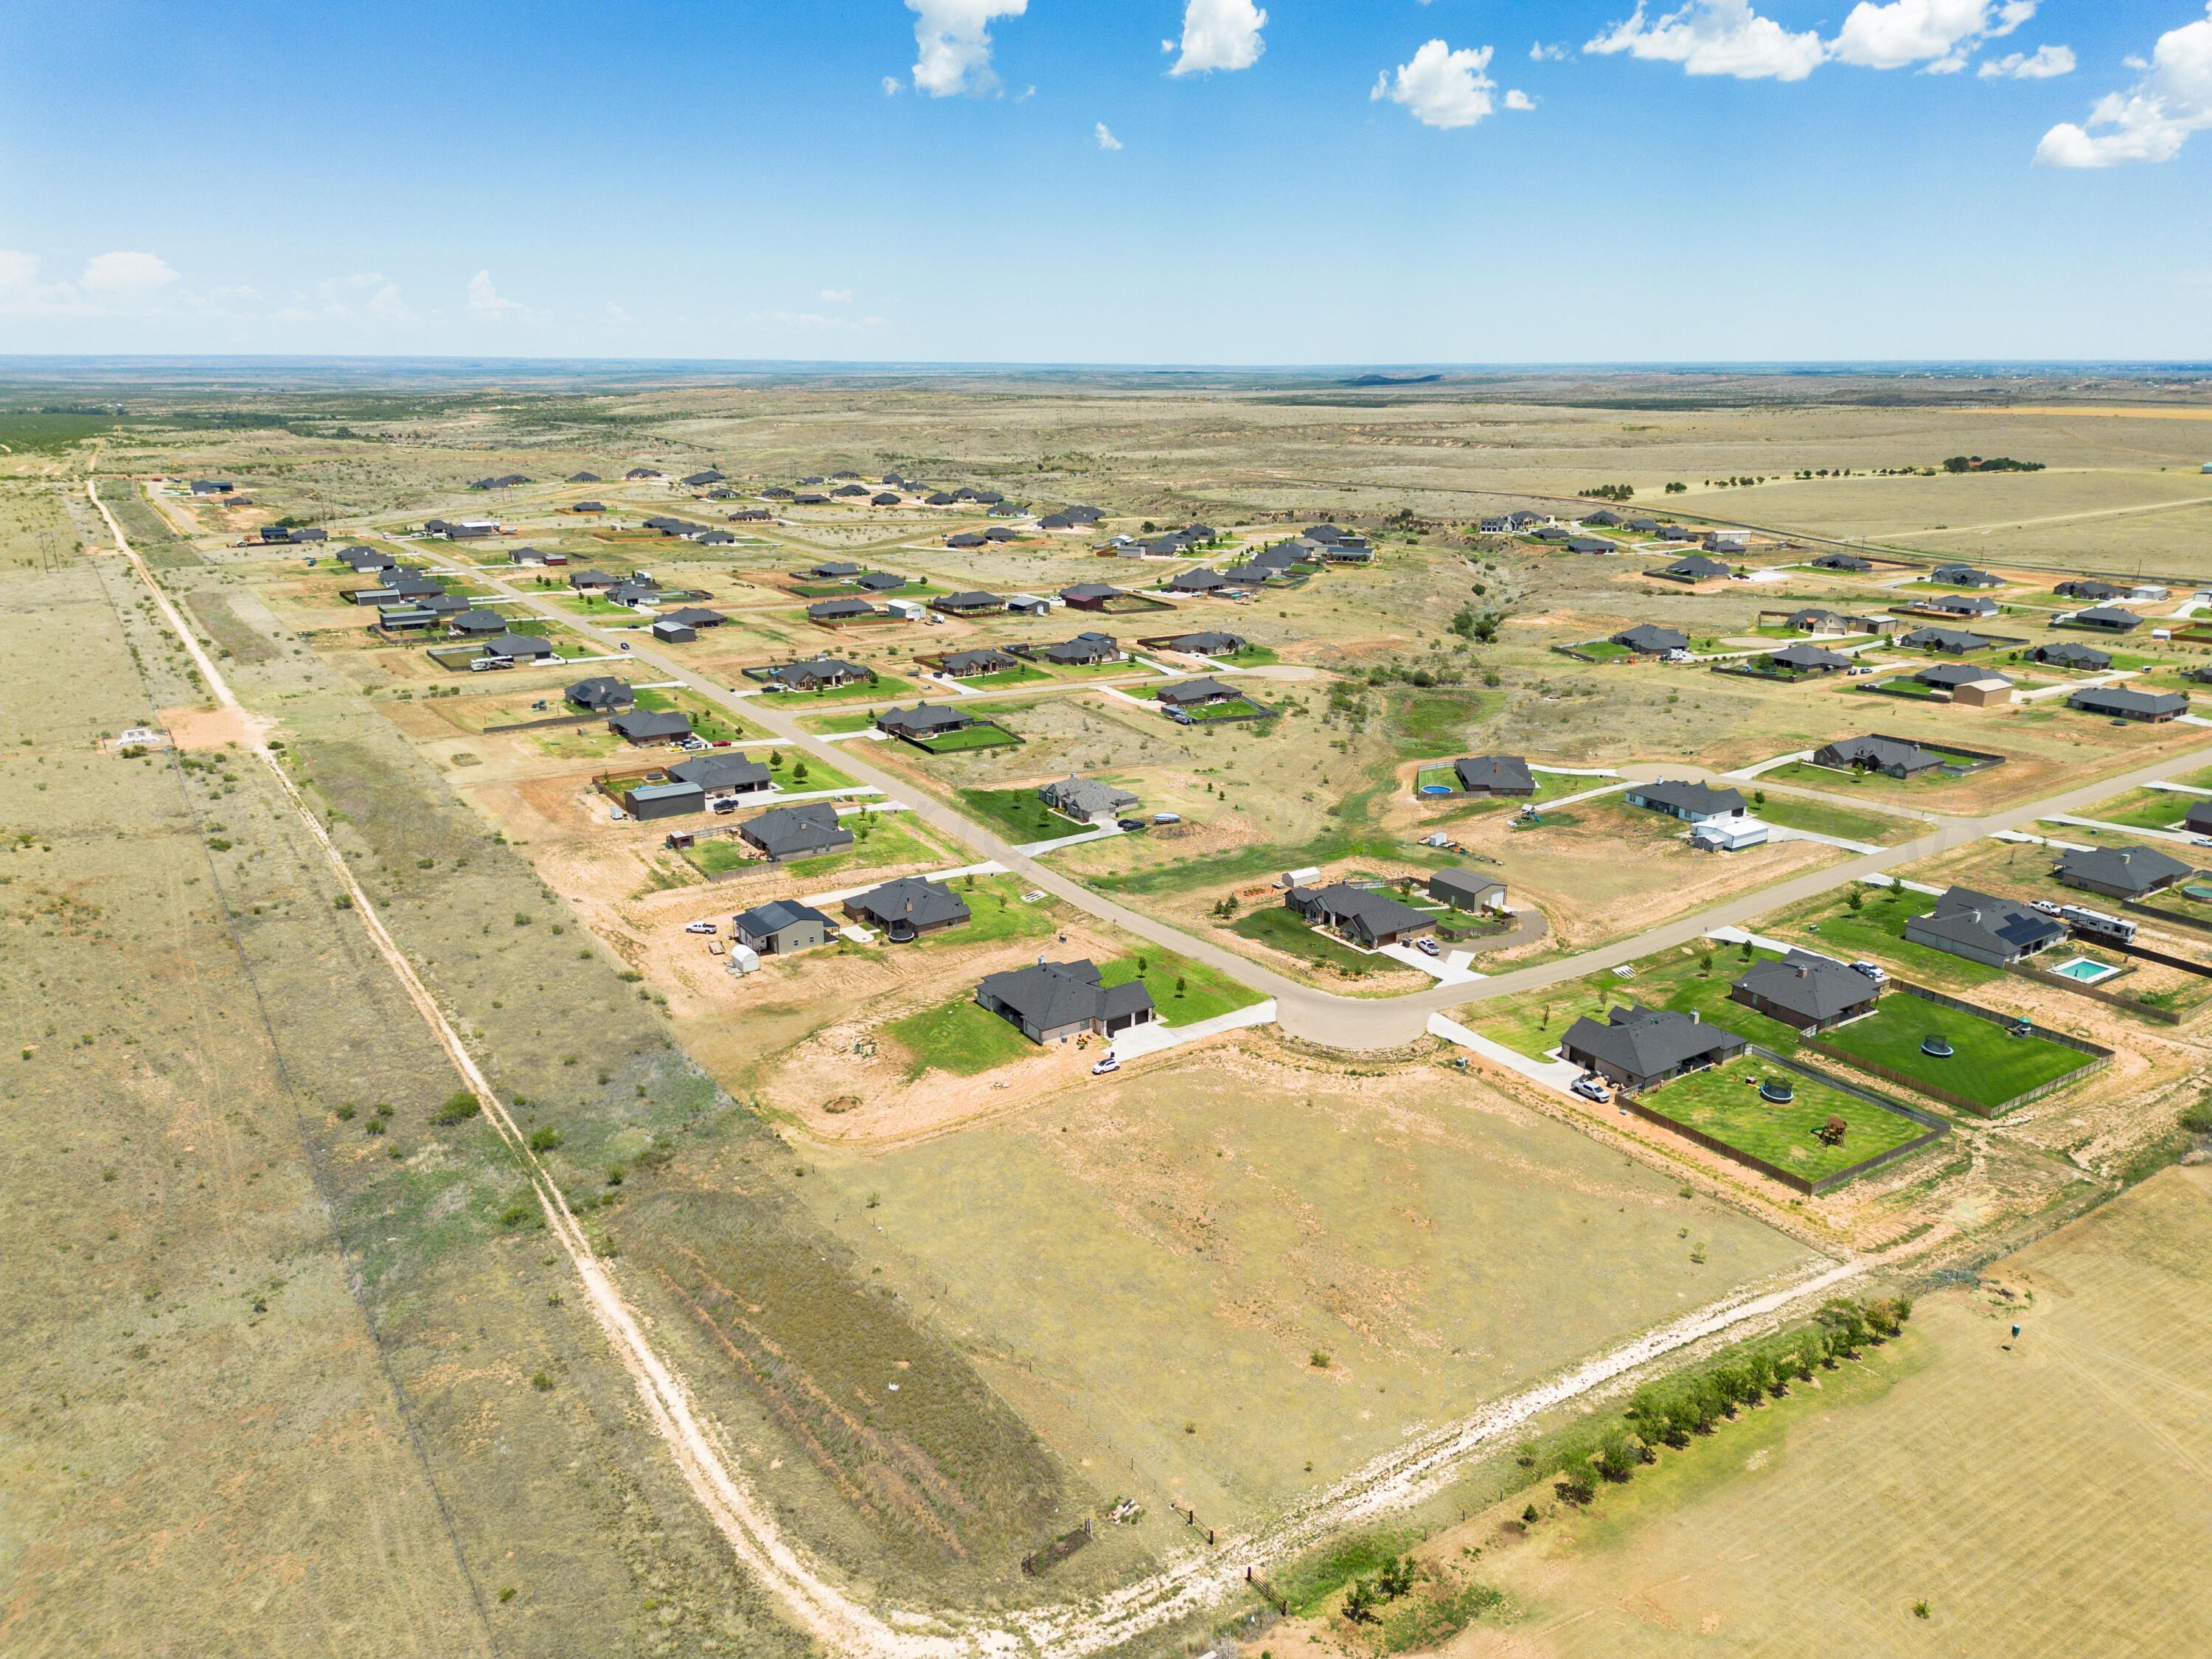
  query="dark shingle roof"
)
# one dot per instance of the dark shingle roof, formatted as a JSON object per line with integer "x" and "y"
{"x": 721, "y": 771}
{"x": 1498, "y": 774}
{"x": 1993, "y": 925}
{"x": 2128, "y": 869}
{"x": 1816, "y": 987}
{"x": 2113, "y": 700}
{"x": 1644, "y": 637}
{"x": 1699, "y": 799}
{"x": 911, "y": 898}
{"x": 1052, "y": 994}
{"x": 783, "y": 831}
{"x": 1644, "y": 1042}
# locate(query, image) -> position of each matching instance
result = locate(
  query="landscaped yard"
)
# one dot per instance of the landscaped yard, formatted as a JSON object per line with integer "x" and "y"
{"x": 1533, "y": 1023}
{"x": 1020, "y": 674}
{"x": 1252, "y": 656}
{"x": 826, "y": 724}
{"x": 1830, "y": 926}
{"x": 1989, "y": 1068}
{"x": 1833, "y": 778}
{"x": 1600, "y": 650}
{"x": 982, "y": 735}
{"x": 2143, "y": 809}
{"x": 1018, "y": 814}
{"x": 959, "y": 1037}
{"x": 706, "y": 722}
{"x": 878, "y": 841}
{"x": 1725, "y": 1103}
{"x": 715, "y": 855}
{"x": 883, "y": 685}
{"x": 1235, "y": 709}
{"x": 1184, "y": 991}
{"x": 1284, "y": 929}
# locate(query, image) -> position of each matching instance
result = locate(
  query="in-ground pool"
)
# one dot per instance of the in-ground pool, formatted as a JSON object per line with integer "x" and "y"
{"x": 2082, "y": 971}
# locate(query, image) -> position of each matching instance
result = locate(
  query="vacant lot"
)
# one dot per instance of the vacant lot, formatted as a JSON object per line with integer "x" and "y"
{"x": 1816, "y": 1527}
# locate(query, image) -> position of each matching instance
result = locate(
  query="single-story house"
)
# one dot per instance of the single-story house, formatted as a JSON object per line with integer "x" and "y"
{"x": 1590, "y": 544}
{"x": 2095, "y": 591}
{"x": 1695, "y": 568}
{"x": 1887, "y": 755}
{"x": 1053, "y": 1001}
{"x": 593, "y": 581}
{"x": 1362, "y": 914}
{"x": 1463, "y": 890}
{"x": 1086, "y": 799}
{"x": 212, "y": 487}
{"x": 651, "y": 726}
{"x": 1693, "y": 803}
{"x": 2069, "y": 655}
{"x": 366, "y": 561}
{"x": 476, "y": 624}
{"x": 1950, "y": 675}
{"x": 1197, "y": 694}
{"x": 602, "y": 694}
{"x": 880, "y": 581}
{"x": 790, "y": 832}
{"x": 2116, "y": 703}
{"x": 1649, "y": 641}
{"x": 971, "y": 603}
{"x": 1964, "y": 575}
{"x": 2123, "y": 871}
{"x": 1814, "y": 620}
{"x": 1957, "y": 605}
{"x": 964, "y": 539}
{"x": 2198, "y": 819}
{"x": 832, "y": 570}
{"x": 923, "y": 720}
{"x": 700, "y": 480}
{"x": 1083, "y": 649}
{"x": 517, "y": 647}
{"x": 815, "y": 674}
{"x": 1495, "y": 774}
{"x": 1250, "y": 575}
{"x": 965, "y": 665}
{"x": 781, "y": 926}
{"x": 1945, "y": 641}
{"x": 1637, "y": 1047}
{"x": 2112, "y": 618}
{"x": 1809, "y": 992}
{"x": 1842, "y": 562}
{"x": 907, "y": 907}
{"x": 1208, "y": 644}
{"x": 1808, "y": 660}
{"x": 1091, "y": 596}
{"x": 833, "y": 611}
{"x": 725, "y": 773}
{"x": 885, "y": 498}
{"x": 1993, "y": 931}
{"x": 636, "y": 473}
{"x": 695, "y": 616}
{"x": 1197, "y": 581}
{"x": 1604, "y": 518}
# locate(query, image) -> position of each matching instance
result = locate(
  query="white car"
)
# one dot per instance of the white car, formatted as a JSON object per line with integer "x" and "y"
{"x": 702, "y": 927}
{"x": 1873, "y": 970}
{"x": 1427, "y": 947}
{"x": 2201, "y": 841}
{"x": 1590, "y": 1089}
{"x": 1108, "y": 1063}
{"x": 2043, "y": 905}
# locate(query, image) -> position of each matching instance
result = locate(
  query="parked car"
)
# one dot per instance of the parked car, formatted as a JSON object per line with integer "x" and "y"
{"x": 2043, "y": 905}
{"x": 1873, "y": 970}
{"x": 1108, "y": 1063}
{"x": 702, "y": 927}
{"x": 1129, "y": 824}
{"x": 1590, "y": 1089}
{"x": 1427, "y": 947}
{"x": 2201, "y": 841}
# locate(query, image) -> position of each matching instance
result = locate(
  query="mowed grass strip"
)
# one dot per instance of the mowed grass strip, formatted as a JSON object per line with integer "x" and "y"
{"x": 1018, "y": 814}
{"x": 1725, "y": 1103}
{"x": 1988, "y": 1067}
{"x": 883, "y": 685}
{"x": 1794, "y": 813}
{"x": 960, "y": 1038}
{"x": 1876, "y": 928}
{"x": 1184, "y": 991}
{"x": 2143, "y": 809}
{"x": 1287, "y": 932}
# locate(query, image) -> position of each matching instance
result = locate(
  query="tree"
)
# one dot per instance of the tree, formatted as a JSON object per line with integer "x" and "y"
{"x": 1854, "y": 898}
{"x": 1575, "y": 1486}
{"x": 1396, "y": 1578}
{"x": 1359, "y": 1601}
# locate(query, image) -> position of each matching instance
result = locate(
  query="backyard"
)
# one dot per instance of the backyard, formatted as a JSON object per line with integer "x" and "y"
{"x": 1876, "y": 928}
{"x": 1724, "y": 1103}
{"x": 1989, "y": 1066}
{"x": 1184, "y": 991}
{"x": 982, "y": 735}
{"x": 882, "y": 686}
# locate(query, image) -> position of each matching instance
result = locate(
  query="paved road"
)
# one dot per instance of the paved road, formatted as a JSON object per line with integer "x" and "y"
{"x": 1378, "y": 1022}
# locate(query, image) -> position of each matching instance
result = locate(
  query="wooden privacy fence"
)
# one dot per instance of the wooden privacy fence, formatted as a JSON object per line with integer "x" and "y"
{"x": 2100, "y": 1056}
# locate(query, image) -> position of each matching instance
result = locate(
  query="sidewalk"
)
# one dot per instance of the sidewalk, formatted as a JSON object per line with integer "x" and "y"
{"x": 1141, "y": 1040}
{"x": 1104, "y": 832}
{"x": 1552, "y": 1073}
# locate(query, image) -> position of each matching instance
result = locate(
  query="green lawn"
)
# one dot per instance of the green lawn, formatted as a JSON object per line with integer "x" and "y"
{"x": 1017, "y": 814}
{"x": 1906, "y": 686}
{"x": 959, "y": 1037}
{"x": 1282, "y": 928}
{"x": 785, "y": 766}
{"x": 1206, "y": 992}
{"x": 1019, "y": 674}
{"x": 1834, "y": 778}
{"x": 1793, "y": 812}
{"x": 1724, "y": 1103}
{"x": 883, "y": 685}
{"x": 982, "y": 735}
{"x": 2145, "y": 808}
{"x": 1252, "y": 656}
{"x": 715, "y": 855}
{"x": 1877, "y": 929}
{"x": 1602, "y": 650}
{"x": 708, "y": 723}
{"x": 1234, "y": 709}
{"x": 1437, "y": 777}
{"x": 996, "y": 912}
{"x": 877, "y": 840}
{"x": 1989, "y": 1068}
{"x": 829, "y": 723}
{"x": 1534, "y": 1023}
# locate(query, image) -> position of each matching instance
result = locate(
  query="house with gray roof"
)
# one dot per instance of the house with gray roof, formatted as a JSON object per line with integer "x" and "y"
{"x": 1945, "y": 641}
{"x": 924, "y": 719}
{"x": 1208, "y": 644}
{"x": 725, "y": 773}
{"x": 972, "y": 603}
{"x": 1950, "y": 675}
{"x": 1084, "y": 649}
{"x": 880, "y": 581}
{"x": 838, "y": 611}
{"x": 985, "y": 660}
{"x": 2069, "y": 653}
{"x": 651, "y": 726}
{"x": 1808, "y": 660}
{"x": 909, "y": 907}
{"x": 791, "y": 832}
{"x": 1637, "y": 1048}
{"x": 2126, "y": 873}
{"x": 1811, "y": 993}
{"x": 1983, "y": 928}
{"x": 1495, "y": 774}
{"x": 1364, "y": 915}
{"x": 1086, "y": 799}
{"x": 1693, "y": 803}
{"x": 781, "y": 926}
{"x": 832, "y": 570}
{"x": 1964, "y": 575}
{"x": 2096, "y": 593}
{"x": 1199, "y": 579}
{"x": 815, "y": 674}
{"x": 2112, "y": 618}
{"x": 475, "y": 624}
{"x": 1891, "y": 757}
{"x": 1091, "y": 596}
{"x": 1463, "y": 890}
{"x": 2154, "y": 708}
{"x": 1842, "y": 562}
{"x": 1051, "y": 1001}
{"x": 602, "y": 694}
{"x": 1957, "y": 605}
{"x": 1196, "y": 694}
{"x": 1695, "y": 568}
{"x": 517, "y": 647}
{"x": 1647, "y": 640}
{"x": 593, "y": 581}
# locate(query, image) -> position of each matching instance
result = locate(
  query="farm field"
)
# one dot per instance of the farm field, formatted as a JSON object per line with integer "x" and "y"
{"x": 1783, "y": 1533}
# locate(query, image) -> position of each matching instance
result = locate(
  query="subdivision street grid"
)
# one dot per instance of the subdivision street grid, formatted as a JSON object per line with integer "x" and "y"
{"x": 1373, "y": 1023}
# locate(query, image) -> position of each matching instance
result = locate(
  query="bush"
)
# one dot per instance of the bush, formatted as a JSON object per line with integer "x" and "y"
{"x": 1575, "y": 1486}
{"x": 460, "y": 1106}
{"x": 2198, "y": 1118}
{"x": 545, "y": 1140}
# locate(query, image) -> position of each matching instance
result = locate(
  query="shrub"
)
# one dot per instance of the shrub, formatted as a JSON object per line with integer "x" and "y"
{"x": 1575, "y": 1486}
{"x": 460, "y": 1106}
{"x": 545, "y": 1140}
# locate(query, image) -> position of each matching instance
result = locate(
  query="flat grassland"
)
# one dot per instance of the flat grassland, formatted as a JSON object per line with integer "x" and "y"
{"x": 1813, "y": 1526}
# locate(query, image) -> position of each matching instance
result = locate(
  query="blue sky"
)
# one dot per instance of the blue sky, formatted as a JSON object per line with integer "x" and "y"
{"x": 1348, "y": 181}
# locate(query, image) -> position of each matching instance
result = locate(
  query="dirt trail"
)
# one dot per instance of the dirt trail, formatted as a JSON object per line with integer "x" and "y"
{"x": 1197, "y": 1581}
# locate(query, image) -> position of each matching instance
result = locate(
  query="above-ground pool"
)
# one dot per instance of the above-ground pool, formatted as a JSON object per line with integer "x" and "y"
{"x": 2082, "y": 971}
{"x": 1435, "y": 789}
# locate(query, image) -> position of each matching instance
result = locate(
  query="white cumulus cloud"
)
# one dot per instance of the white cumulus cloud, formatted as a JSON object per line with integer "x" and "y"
{"x": 485, "y": 300}
{"x": 2044, "y": 63}
{"x": 1105, "y": 136}
{"x": 126, "y": 274}
{"x": 952, "y": 40}
{"x": 1540, "y": 53}
{"x": 2151, "y": 120}
{"x": 1716, "y": 37}
{"x": 1220, "y": 34}
{"x": 1940, "y": 34}
{"x": 1441, "y": 87}
{"x": 1519, "y": 99}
